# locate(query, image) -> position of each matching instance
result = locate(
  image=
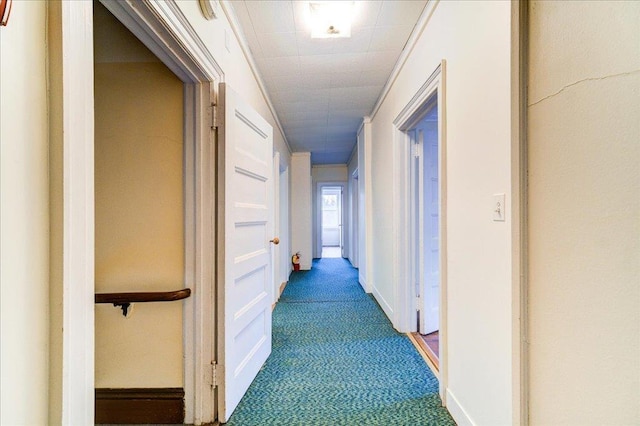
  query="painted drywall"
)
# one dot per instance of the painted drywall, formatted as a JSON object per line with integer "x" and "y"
{"x": 139, "y": 222}
{"x": 24, "y": 217}
{"x": 365, "y": 200}
{"x": 322, "y": 174}
{"x": 351, "y": 201}
{"x": 584, "y": 210}
{"x": 301, "y": 220}
{"x": 285, "y": 229}
{"x": 474, "y": 39}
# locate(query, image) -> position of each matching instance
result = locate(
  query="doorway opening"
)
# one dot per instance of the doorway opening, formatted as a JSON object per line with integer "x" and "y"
{"x": 149, "y": 41}
{"x": 420, "y": 222}
{"x": 425, "y": 228}
{"x": 331, "y": 222}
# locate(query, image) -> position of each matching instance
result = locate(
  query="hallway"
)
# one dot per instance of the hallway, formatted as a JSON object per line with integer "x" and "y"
{"x": 337, "y": 360}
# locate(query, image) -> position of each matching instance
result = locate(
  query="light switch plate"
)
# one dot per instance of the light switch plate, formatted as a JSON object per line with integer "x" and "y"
{"x": 499, "y": 208}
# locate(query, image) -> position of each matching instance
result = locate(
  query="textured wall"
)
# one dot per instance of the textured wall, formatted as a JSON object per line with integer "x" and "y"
{"x": 584, "y": 217}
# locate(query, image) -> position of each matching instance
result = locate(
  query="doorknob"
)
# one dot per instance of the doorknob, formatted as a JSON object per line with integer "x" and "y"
{"x": 275, "y": 241}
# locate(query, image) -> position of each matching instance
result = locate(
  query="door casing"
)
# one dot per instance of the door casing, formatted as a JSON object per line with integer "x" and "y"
{"x": 404, "y": 312}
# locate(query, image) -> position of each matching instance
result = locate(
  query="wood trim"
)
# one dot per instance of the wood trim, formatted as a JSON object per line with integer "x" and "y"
{"x": 423, "y": 350}
{"x": 158, "y": 296}
{"x": 5, "y": 11}
{"x": 139, "y": 406}
{"x": 419, "y": 341}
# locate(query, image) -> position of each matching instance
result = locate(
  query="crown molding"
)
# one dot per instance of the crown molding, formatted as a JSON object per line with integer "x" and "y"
{"x": 242, "y": 41}
{"x": 427, "y": 12}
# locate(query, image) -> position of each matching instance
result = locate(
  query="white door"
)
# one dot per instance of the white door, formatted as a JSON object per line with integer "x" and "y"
{"x": 245, "y": 215}
{"x": 430, "y": 310}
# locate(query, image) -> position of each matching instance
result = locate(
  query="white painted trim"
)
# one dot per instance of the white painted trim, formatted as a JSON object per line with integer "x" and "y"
{"x": 353, "y": 152}
{"x": 427, "y": 12}
{"x": 519, "y": 226}
{"x": 244, "y": 46}
{"x": 276, "y": 249}
{"x": 405, "y": 318}
{"x": 363, "y": 282}
{"x": 78, "y": 287}
{"x": 163, "y": 28}
{"x": 384, "y": 303}
{"x": 457, "y": 412}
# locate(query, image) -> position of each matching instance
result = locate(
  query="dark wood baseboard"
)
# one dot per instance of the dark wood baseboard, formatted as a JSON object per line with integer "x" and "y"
{"x": 140, "y": 406}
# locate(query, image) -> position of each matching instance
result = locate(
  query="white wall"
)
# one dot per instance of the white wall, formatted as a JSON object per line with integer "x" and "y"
{"x": 584, "y": 213}
{"x": 285, "y": 228}
{"x": 365, "y": 214}
{"x": 474, "y": 39}
{"x": 301, "y": 213}
{"x": 321, "y": 174}
{"x": 351, "y": 204}
{"x": 24, "y": 215}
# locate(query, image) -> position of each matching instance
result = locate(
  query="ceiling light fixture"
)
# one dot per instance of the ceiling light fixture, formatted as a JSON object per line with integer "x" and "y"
{"x": 331, "y": 19}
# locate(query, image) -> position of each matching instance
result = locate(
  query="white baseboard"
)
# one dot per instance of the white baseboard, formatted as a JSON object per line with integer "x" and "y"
{"x": 457, "y": 412}
{"x": 305, "y": 266}
{"x": 362, "y": 279}
{"x": 386, "y": 307}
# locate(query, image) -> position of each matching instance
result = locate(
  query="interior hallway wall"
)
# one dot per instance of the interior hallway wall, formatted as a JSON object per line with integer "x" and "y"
{"x": 139, "y": 227}
{"x": 301, "y": 212}
{"x": 285, "y": 228}
{"x": 584, "y": 213}
{"x": 475, "y": 40}
{"x": 365, "y": 240}
{"x": 323, "y": 173}
{"x": 351, "y": 198}
{"x": 24, "y": 217}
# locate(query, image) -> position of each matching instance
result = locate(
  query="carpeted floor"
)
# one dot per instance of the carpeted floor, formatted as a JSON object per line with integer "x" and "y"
{"x": 337, "y": 360}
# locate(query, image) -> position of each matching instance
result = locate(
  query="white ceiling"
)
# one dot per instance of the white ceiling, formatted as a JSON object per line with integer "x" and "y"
{"x": 322, "y": 88}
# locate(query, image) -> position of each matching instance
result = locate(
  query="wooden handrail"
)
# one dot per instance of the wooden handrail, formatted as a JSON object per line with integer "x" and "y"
{"x": 124, "y": 300}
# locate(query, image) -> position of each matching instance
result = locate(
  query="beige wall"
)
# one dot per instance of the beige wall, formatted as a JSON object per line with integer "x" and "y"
{"x": 24, "y": 217}
{"x": 584, "y": 217}
{"x": 475, "y": 40}
{"x": 139, "y": 214}
{"x": 301, "y": 213}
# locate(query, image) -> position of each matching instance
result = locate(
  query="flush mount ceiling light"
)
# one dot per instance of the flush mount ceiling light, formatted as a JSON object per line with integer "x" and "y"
{"x": 331, "y": 19}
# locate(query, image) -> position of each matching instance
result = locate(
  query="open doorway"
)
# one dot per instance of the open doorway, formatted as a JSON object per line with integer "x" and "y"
{"x": 420, "y": 222}
{"x": 425, "y": 202}
{"x": 149, "y": 176}
{"x": 331, "y": 222}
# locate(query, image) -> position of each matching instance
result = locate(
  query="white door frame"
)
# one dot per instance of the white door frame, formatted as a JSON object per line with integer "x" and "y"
{"x": 164, "y": 29}
{"x": 404, "y": 312}
{"x": 276, "y": 249}
{"x": 318, "y": 242}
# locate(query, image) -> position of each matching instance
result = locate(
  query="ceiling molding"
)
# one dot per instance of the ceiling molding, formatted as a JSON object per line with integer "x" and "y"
{"x": 427, "y": 12}
{"x": 242, "y": 41}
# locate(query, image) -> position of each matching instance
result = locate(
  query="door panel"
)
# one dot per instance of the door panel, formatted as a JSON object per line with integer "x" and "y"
{"x": 245, "y": 278}
{"x": 430, "y": 317}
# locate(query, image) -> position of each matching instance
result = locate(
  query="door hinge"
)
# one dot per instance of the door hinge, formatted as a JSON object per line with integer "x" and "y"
{"x": 212, "y": 376}
{"x": 212, "y": 115}
{"x": 416, "y": 150}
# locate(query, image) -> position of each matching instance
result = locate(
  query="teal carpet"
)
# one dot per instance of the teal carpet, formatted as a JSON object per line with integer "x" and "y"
{"x": 337, "y": 360}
